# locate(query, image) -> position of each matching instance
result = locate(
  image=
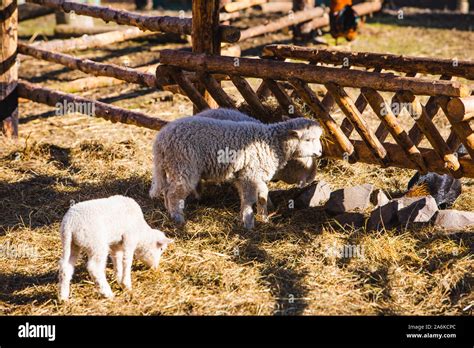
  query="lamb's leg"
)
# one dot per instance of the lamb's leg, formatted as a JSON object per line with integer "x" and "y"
{"x": 176, "y": 196}
{"x": 66, "y": 270}
{"x": 248, "y": 197}
{"x": 127, "y": 268}
{"x": 262, "y": 210}
{"x": 117, "y": 260}
{"x": 96, "y": 267}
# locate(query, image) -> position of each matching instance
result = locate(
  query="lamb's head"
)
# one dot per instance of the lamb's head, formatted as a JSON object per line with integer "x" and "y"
{"x": 304, "y": 138}
{"x": 151, "y": 251}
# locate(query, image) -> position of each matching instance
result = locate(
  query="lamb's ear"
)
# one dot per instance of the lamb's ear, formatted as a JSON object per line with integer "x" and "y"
{"x": 163, "y": 240}
{"x": 285, "y": 118}
{"x": 295, "y": 133}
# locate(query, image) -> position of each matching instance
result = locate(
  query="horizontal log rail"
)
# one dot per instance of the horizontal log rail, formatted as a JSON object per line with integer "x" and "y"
{"x": 269, "y": 69}
{"x": 164, "y": 24}
{"x": 407, "y": 64}
{"x": 111, "y": 113}
{"x": 91, "y": 67}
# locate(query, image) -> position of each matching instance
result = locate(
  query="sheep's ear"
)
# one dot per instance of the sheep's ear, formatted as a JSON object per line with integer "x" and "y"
{"x": 295, "y": 133}
{"x": 163, "y": 240}
{"x": 285, "y": 118}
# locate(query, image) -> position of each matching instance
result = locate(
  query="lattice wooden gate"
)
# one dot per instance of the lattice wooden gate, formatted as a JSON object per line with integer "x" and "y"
{"x": 452, "y": 97}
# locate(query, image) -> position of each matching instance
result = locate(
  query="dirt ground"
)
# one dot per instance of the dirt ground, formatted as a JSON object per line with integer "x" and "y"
{"x": 215, "y": 267}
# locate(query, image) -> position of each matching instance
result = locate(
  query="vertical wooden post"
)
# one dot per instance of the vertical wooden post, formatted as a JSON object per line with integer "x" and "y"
{"x": 463, "y": 6}
{"x": 302, "y": 32}
{"x": 8, "y": 67}
{"x": 205, "y": 35}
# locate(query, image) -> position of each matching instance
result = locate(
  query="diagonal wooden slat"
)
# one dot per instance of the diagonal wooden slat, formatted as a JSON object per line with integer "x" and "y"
{"x": 215, "y": 90}
{"x": 382, "y": 110}
{"x": 283, "y": 99}
{"x": 186, "y": 85}
{"x": 350, "y": 110}
{"x": 419, "y": 114}
{"x": 250, "y": 97}
{"x": 328, "y": 122}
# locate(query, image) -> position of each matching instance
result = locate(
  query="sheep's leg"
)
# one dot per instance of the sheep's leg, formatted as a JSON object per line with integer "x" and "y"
{"x": 262, "y": 209}
{"x": 66, "y": 270}
{"x": 96, "y": 267}
{"x": 117, "y": 260}
{"x": 176, "y": 197}
{"x": 248, "y": 197}
{"x": 127, "y": 268}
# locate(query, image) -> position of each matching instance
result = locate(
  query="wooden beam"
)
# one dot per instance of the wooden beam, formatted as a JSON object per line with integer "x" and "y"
{"x": 9, "y": 67}
{"x": 242, "y": 5}
{"x": 283, "y": 22}
{"x": 164, "y": 24}
{"x": 269, "y": 69}
{"x": 91, "y": 67}
{"x": 407, "y": 64}
{"x": 109, "y": 112}
{"x": 461, "y": 109}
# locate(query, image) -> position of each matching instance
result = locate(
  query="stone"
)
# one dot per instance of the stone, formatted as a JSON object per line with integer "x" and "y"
{"x": 403, "y": 211}
{"x": 349, "y": 199}
{"x": 379, "y": 198}
{"x": 314, "y": 195}
{"x": 454, "y": 219}
{"x": 355, "y": 220}
{"x": 416, "y": 209}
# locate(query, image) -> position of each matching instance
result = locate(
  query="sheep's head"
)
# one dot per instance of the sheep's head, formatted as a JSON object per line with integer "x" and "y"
{"x": 150, "y": 253}
{"x": 306, "y": 138}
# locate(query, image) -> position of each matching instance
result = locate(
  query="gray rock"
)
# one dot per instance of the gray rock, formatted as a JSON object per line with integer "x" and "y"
{"x": 355, "y": 220}
{"x": 349, "y": 199}
{"x": 454, "y": 219}
{"x": 379, "y": 198}
{"x": 314, "y": 195}
{"x": 403, "y": 211}
{"x": 384, "y": 216}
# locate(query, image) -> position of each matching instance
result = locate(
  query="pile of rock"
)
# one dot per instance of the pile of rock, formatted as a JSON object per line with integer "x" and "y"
{"x": 349, "y": 206}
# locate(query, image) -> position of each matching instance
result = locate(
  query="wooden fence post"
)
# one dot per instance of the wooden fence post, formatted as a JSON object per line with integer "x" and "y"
{"x": 8, "y": 67}
{"x": 302, "y": 32}
{"x": 205, "y": 35}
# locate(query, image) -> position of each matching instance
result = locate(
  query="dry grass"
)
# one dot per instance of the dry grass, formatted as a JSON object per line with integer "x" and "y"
{"x": 215, "y": 266}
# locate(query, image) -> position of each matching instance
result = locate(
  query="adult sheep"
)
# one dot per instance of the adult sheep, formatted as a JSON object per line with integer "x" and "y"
{"x": 247, "y": 154}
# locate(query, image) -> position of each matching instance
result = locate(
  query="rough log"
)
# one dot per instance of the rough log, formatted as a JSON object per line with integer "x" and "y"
{"x": 302, "y": 31}
{"x": 284, "y": 22}
{"x": 92, "y": 41}
{"x": 461, "y": 109}
{"x": 30, "y": 11}
{"x": 66, "y": 30}
{"x": 112, "y": 113}
{"x": 399, "y": 158}
{"x": 322, "y": 114}
{"x": 390, "y": 121}
{"x": 8, "y": 68}
{"x": 250, "y": 97}
{"x": 268, "y": 69}
{"x": 422, "y": 119}
{"x": 285, "y": 102}
{"x": 215, "y": 90}
{"x": 352, "y": 113}
{"x": 91, "y": 67}
{"x": 407, "y": 64}
{"x": 164, "y": 24}
{"x": 283, "y": 6}
{"x": 242, "y": 5}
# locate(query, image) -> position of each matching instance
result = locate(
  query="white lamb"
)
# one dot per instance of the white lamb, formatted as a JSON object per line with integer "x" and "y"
{"x": 301, "y": 171}
{"x": 116, "y": 225}
{"x": 245, "y": 153}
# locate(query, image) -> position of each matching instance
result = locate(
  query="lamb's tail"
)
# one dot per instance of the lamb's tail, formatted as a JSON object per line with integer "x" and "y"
{"x": 159, "y": 181}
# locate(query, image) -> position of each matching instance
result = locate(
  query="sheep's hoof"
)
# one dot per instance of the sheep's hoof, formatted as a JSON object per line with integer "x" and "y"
{"x": 249, "y": 222}
{"x": 108, "y": 294}
{"x": 178, "y": 219}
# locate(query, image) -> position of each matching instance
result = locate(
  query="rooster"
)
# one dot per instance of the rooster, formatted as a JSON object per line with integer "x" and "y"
{"x": 343, "y": 20}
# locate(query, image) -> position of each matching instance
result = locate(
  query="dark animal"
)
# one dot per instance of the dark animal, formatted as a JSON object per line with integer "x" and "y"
{"x": 445, "y": 189}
